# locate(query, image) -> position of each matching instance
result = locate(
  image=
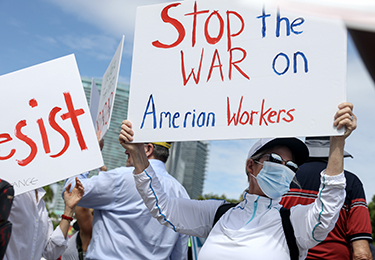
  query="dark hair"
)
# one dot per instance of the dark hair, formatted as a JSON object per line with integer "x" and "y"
{"x": 161, "y": 153}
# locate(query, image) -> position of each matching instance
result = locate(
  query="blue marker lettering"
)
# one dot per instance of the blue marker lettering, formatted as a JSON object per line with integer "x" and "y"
{"x": 263, "y": 16}
{"x": 287, "y": 63}
{"x": 278, "y": 24}
{"x": 304, "y": 59}
{"x": 150, "y": 100}
{"x": 176, "y": 115}
{"x": 213, "y": 118}
{"x": 294, "y": 24}
{"x": 161, "y": 118}
{"x": 187, "y": 113}
{"x": 203, "y": 117}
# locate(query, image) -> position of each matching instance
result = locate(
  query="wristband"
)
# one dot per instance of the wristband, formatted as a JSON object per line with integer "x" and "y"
{"x": 66, "y": 217}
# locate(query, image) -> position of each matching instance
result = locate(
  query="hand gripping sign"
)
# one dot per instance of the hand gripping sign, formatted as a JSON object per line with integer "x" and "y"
{"x": 206, "y": 70}
{"x": 46, "y": 133}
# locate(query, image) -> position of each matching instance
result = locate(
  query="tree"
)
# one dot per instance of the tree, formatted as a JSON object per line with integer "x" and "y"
{"x": 48, "y": 198}
{"x": 215, "y": 196}
{"x": 371, "y": 208}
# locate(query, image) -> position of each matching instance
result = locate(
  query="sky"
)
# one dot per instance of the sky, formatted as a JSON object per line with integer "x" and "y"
{"x": 37, "y": 31}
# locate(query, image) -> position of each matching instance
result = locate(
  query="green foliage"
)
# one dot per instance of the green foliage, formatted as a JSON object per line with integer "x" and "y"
{"x": 54, "y": 218}
{"x": 371, "y": 208}
{"x": 215, "y": 196}
{"x": 48, "y": 198}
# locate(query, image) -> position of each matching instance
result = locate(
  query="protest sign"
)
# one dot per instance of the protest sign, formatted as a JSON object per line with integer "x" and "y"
{"x": 94, "y": 101}
{"x": 108, "y": 92}
{"x": 209, "y": 70}
{"x": 46, "y": 134}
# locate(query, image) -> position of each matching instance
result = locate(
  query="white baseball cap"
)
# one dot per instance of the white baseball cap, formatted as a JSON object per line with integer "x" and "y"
{"x": 295, "y": 145}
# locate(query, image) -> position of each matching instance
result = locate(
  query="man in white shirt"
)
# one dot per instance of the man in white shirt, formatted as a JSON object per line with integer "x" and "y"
{"x": 123, "y": 228}
{"x": 32, "y": 232}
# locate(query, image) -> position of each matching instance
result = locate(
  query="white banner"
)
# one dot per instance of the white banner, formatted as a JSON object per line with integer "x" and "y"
{"x": 206, "y": 70}
{"x": 108, "y": 91}
{"x": 46, "y": 134}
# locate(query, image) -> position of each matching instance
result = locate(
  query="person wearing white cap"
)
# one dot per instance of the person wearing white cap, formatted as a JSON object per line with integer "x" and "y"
{"x": 253, "y": 229}
{"x": 122, "y": 226}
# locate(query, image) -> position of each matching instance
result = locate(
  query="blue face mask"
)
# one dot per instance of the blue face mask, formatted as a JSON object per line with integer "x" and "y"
{"x": 274, "y": 179}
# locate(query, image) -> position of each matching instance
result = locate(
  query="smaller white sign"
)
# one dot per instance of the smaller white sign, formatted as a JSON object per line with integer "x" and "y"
{"x": 94, "y": 101}
{"x": 46, "y": 131}
{"x": 108, "y": 91}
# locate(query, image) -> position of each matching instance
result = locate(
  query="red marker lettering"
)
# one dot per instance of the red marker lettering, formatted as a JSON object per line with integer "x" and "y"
{"x": 43, "y": 133}
{"x": 245, "y": 113}
{"x": 262, "y": 114}
{"x": 33, "y": 103}
{"x": 72, "y": 114}
{"x": 265, "y": 116}
{"x": 61, "y": 131}
{"x": 195, "y": 13}
{"x": 270, "y": 115}
{"x": 291, "y": 118}
{"x": 28, "y": 141}
{"x": 234, "y": 63}
{"x": 196, "y": 78}
{"x": 229, "y": 34}
{"x": 176, "y": 24}
{"x": 278, "y": 116}
{"x": 7, "y": 138}
{"x": 234, "y": 118}
{"x": 216, "y": 54}
{"x": 213, "y": 40}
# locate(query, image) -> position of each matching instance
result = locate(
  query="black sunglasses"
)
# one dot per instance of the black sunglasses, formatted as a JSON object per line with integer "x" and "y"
{"x": 274, "y": 157}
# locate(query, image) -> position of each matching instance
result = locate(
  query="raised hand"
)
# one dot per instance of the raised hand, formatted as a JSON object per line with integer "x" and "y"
{"x": 71, "y": 199}
{"x": 345, "y": 118}
{"x": 126, "y": 137}
{"x": 136, "y": 150}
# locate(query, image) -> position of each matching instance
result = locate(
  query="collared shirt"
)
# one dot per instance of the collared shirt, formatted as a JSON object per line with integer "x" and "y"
{"x": 337, "y": 245}
{"x": 32, "y": 230}
{"x": 71, "y": 253}
{"x": 252, "y": 229}
{"x": 122, "y": 225}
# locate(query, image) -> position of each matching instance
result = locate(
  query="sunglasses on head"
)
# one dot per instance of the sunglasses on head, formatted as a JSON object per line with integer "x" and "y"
{"x": 274, "y": 157}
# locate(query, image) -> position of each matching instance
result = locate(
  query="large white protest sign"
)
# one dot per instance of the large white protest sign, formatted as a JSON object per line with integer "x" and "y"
{"x": 46, "y": 132}
{"x": 206, "y": 70}
{"x": 108, "y": 91}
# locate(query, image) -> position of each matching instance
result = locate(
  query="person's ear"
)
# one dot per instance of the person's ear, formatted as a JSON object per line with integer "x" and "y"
{"x": 250, "y": 164}
{"x": 149, "y": 149}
